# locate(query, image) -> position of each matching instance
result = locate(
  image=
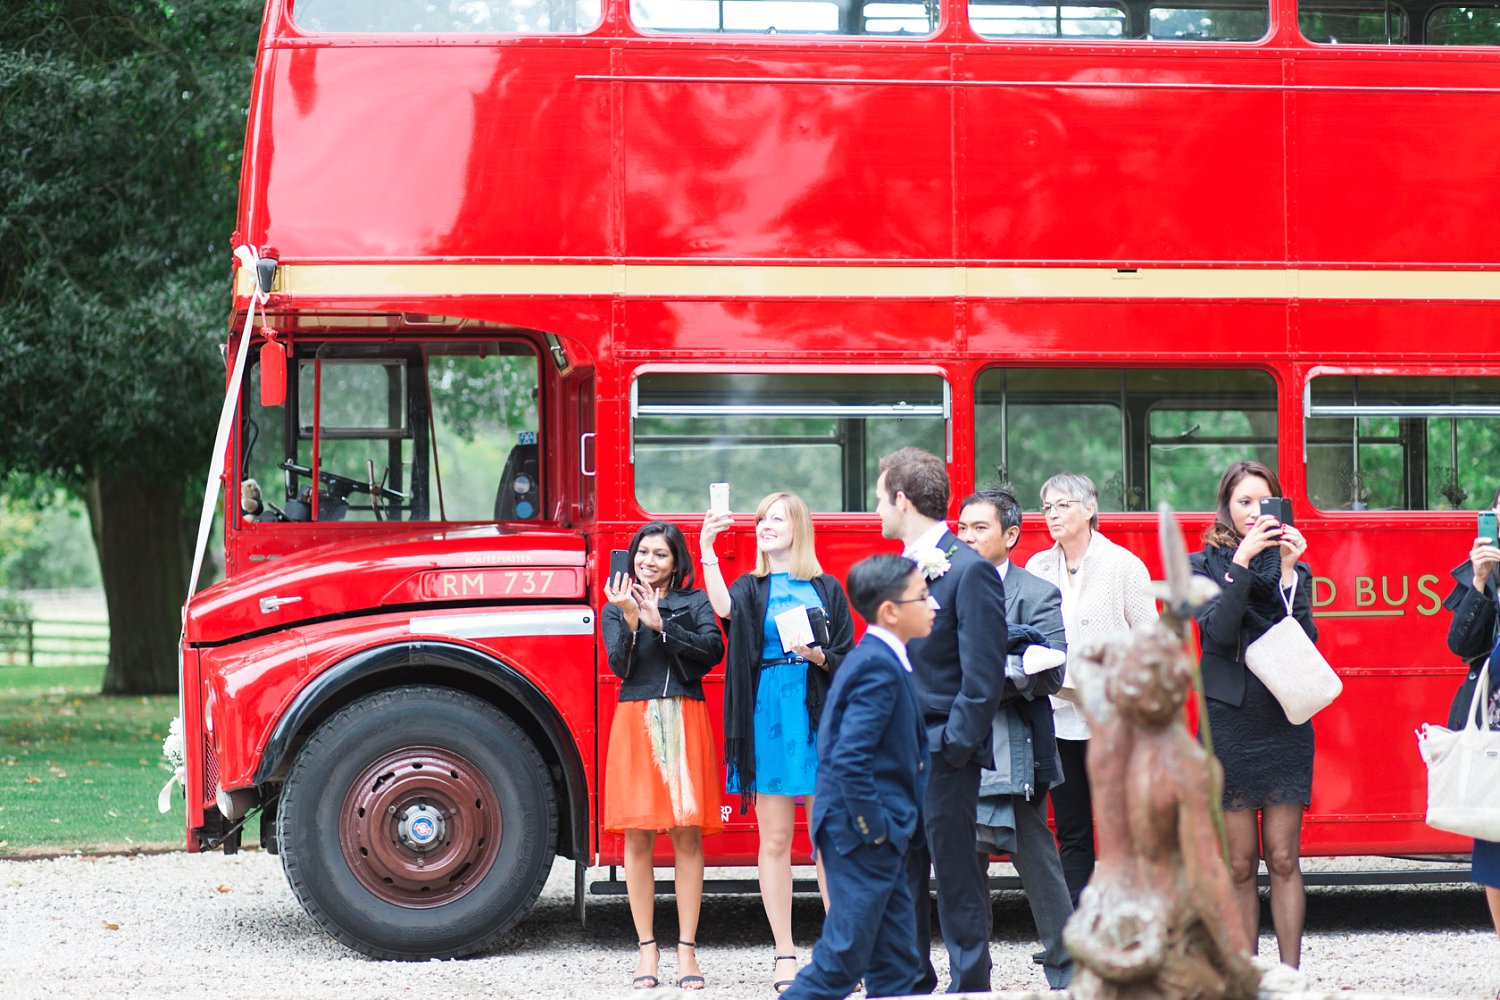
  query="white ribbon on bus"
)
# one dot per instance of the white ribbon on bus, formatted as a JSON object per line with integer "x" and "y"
{"x": 173, "y": 747}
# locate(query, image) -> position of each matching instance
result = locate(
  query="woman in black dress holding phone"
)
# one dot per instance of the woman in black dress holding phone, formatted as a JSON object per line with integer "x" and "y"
{"x": 1267, "y": 760}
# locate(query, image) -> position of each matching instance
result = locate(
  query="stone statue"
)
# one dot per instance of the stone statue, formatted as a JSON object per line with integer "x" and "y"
{"x": 1158, "y": 918}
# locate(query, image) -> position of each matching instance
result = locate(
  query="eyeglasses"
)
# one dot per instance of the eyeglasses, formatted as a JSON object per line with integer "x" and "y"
{"x": 931, "y": 601}
{"x": 1060, "y": 506}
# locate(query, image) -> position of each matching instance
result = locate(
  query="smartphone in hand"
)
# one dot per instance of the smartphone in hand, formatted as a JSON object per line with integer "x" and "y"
{"x": 1278, "y": 507}
{"x": 718, "y": 498}
{"x": 619, "y": 562}
{"x": 1487, "y": 527}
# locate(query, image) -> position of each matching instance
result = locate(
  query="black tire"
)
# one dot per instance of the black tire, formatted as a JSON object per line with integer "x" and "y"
{"x": 461, "y": 775}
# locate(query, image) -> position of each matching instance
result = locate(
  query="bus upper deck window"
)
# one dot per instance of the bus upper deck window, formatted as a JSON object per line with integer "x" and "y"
{"x": 1370, "y": 22}
{"x": 1463, "y": 26}
{"x": 1037, "y": 21}
{"x": 1204, "y": 21}
{"x": 879, "y": 18}
{"x": 468, "y": 17}
{"x": 1210, "y": 23}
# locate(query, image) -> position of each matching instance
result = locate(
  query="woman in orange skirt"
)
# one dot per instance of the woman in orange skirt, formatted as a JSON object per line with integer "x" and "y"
{"x": 661, "y": 772}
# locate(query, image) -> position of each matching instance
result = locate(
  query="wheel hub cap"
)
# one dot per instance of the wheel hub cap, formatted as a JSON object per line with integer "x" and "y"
{"x": 420, "y": 826}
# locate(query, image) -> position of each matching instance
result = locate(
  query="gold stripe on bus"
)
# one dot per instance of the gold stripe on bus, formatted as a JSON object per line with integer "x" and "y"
{"x": 874, "y": 281}
{"x": 1464, "y": 286}
{"x": 1128, "y": 283}
{"x": 401, "y": 280}
{"x": 760, "y": 281}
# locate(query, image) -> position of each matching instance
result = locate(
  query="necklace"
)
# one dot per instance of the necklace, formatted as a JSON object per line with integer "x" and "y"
{"x": 1073, "y": 570}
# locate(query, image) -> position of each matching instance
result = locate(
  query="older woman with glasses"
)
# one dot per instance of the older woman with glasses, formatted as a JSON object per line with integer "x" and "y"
{"x": 1105, "y": 590}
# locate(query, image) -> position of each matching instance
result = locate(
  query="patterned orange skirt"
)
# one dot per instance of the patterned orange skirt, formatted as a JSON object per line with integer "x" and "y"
{"x": 661, "y": 769}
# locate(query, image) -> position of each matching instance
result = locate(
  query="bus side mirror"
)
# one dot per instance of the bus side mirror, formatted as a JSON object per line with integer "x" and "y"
{"x": 272, "y": 374}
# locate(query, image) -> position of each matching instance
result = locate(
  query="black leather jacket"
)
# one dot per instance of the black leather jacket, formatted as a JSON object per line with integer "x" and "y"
{"x": 670, "y": 663}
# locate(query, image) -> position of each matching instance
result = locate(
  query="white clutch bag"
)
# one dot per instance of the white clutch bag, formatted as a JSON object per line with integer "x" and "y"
{"x": 1463, "y": 772}
{"x": 1290, "y": 666}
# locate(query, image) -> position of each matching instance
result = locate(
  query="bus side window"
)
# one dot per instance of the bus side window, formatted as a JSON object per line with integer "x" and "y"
{"x": 820, "y": 435}
{"x": 1387, "y": 442}
{"x": 1142, "y": 435}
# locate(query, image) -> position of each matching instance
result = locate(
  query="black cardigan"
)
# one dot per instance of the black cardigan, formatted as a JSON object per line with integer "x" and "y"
{"x": 748, "y": 597}
{"x": 1225, "y": 634}
{"x": 644, "y": 658}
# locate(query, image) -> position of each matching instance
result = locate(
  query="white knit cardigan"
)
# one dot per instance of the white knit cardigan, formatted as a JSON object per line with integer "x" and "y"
{"x": 1113, "y": 596}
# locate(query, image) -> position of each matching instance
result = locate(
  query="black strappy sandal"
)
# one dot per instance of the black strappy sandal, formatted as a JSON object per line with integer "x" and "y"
{"x": 782, "y": 985}
{"x": 690, "y": 982}
{"x": 647, "y": 982}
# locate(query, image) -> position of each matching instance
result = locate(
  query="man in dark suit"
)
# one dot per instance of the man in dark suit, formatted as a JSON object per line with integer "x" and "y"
{"x": 872, "y": 760}
{"x": 958, "y": 672}
{"x": 1013, "y": 794}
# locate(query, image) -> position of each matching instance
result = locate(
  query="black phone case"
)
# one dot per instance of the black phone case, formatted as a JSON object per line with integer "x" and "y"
{"x": 818, "y": 618}
{"x": 1279, "y": 508}
{"x": 619, "y": 562}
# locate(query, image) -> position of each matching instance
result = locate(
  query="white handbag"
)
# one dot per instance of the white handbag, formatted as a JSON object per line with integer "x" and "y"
{"x": 1290, "y": 666}
{"x": 1463, "y": 771}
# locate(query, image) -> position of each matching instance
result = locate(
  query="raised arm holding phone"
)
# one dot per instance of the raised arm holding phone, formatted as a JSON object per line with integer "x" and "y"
{"x": 1472, "y": 636}
{"x": 774, "y": 692}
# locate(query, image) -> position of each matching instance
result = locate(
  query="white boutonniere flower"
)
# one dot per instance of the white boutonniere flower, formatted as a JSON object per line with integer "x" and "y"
{"x": 932, "y": 562}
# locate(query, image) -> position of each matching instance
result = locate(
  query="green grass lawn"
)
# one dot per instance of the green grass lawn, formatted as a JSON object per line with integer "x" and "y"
{"x": 79, "y": 770}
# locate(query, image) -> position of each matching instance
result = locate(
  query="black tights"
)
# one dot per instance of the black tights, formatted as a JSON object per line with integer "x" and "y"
{"x": 1276, "y": 833}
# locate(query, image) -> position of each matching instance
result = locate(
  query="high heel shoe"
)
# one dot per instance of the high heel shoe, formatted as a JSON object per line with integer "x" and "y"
{"x": 782, "y": 985}
{"x": 690, "y": 982}
{"x": 647, "y": 982}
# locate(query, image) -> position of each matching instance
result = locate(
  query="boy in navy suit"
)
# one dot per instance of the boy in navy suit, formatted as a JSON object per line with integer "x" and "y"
{"x": 872, "y": 758}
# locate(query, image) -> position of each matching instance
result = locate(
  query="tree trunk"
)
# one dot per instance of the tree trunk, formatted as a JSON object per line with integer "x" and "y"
{"x": 144, "y": 560}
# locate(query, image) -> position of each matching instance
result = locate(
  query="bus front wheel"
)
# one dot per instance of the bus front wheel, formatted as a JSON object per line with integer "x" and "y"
{"x": 417, "y": 823}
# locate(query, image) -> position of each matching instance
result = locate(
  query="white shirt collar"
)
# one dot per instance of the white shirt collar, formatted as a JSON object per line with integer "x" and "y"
{"x": 928, "y": 539}
{"x": 1003, "y": 569}
{"x": 890, "y": 640}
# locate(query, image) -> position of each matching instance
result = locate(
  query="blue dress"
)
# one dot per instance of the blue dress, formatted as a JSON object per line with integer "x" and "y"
{"x": 786, "y": 753}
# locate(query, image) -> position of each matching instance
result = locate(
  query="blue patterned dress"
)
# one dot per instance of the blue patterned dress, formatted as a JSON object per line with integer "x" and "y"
{"x": 786, "y": 753}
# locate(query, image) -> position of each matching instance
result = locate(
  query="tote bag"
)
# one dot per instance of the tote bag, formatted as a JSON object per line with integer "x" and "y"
{"x": 1463, "y": 771}
{"x": 1290, "y": 666}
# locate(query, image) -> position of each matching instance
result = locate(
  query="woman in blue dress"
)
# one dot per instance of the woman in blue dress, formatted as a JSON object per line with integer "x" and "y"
{"x": 773, "y": 695}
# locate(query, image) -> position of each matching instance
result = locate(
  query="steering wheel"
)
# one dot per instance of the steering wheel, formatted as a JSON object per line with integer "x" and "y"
{"x": 339, "y": 487}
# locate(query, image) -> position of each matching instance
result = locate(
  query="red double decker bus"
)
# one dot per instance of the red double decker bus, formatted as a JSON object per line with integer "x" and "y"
{"x": 540, "y": 270}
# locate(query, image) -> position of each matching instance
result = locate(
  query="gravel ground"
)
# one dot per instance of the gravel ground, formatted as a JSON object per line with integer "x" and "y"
{"x": 175, "y": 925}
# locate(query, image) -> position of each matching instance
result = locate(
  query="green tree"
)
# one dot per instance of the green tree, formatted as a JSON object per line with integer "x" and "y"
{"x": 120, "y": 130}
